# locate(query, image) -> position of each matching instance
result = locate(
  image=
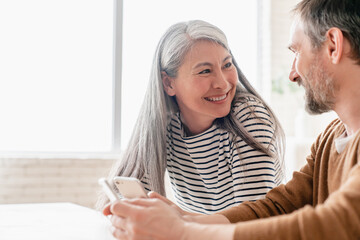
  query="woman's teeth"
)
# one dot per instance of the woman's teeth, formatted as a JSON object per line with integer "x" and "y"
{"x": 216, "y": 98}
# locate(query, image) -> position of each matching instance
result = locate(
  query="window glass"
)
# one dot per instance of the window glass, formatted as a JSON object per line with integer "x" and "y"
{"x": 56, "y": 75}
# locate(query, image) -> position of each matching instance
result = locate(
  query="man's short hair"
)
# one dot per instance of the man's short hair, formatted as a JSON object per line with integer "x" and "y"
{"x": 319, "y": 16}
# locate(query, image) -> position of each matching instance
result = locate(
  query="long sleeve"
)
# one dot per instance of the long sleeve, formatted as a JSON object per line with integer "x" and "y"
{"x": 337, "y": 218}
{"x": 254, "y": 173}
{"x": 322, "y": 201}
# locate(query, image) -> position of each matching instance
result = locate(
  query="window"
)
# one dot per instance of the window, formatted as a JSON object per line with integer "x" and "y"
{"x": 61, "y": 68}
{"x": 56, "y": 78}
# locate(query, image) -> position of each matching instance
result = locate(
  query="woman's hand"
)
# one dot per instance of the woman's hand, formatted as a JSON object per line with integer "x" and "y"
{"x": 159, "y": 218}
{"x": 173, "y": 205}
{"x": 145, "y": 219}
{"x": 192, "y": 217}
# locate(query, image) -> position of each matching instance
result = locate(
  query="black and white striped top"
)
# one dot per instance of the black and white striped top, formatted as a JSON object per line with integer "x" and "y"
{"x": 209, "y": 172}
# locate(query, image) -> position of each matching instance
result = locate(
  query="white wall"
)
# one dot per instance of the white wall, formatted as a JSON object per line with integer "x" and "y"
{"x": 51, "y": 180}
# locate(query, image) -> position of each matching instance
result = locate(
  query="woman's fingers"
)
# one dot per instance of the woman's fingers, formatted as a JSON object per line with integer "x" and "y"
{"x": 123, "y": 209}
{"x": 119, "y": 233}
{"x": 155, "y": 195}
{"x": 106, "y": 211}
{"x": 144, "y": 219}
{"x": 118, "y": 222}
{"x": 158, "y": 196}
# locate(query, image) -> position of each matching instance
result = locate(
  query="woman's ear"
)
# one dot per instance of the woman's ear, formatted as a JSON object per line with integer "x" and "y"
{"x": 168, "y": 84}
{"x": 335, "y": 43}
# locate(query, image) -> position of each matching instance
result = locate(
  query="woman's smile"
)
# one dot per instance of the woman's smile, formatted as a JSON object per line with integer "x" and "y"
{"x": 218, "y": 98}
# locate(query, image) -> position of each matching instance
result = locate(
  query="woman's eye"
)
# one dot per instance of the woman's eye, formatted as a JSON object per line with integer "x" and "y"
{"x": 227, "y": 65}
{"x": 205, "y": 71}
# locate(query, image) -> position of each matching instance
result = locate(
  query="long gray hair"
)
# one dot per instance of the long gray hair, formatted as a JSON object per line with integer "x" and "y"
{"x": 146, "y": 151}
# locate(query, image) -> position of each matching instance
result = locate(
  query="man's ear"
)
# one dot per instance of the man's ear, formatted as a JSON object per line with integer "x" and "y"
{"x": 168, "y": 84}
{"x": 335, "y": 44}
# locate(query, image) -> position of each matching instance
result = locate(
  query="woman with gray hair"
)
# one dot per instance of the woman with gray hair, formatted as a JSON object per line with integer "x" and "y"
{"x": 203, "y": 122}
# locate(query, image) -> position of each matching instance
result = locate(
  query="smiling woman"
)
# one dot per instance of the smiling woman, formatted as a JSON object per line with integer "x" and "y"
{"x": 203, "y": 122}
{"x": 204, "y": 86}
{"x": 240, "y": 19}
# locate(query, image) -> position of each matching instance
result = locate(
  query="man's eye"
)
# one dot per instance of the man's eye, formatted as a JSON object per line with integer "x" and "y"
{"x": 205, "y": 71}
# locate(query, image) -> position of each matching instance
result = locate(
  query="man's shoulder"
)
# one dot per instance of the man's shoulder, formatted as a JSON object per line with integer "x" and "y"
{"x": 336, "y": 127}
{"x": 332, "y": 131}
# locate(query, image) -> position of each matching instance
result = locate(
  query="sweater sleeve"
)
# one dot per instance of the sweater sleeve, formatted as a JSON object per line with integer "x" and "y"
{"x": 337, "y": 218}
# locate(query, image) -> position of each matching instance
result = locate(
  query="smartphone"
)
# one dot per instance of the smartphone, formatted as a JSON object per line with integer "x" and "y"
{"x": 109, "y": 191}
{"x": 130, "y": 187}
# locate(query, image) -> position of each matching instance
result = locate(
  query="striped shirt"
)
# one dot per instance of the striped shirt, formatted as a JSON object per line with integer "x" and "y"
{"x": 210, "y": 171}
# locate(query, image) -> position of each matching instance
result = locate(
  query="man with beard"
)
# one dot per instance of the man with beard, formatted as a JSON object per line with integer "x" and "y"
{"x": 322, "y": 201}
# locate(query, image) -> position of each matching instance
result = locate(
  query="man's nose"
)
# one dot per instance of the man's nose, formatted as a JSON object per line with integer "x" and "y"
{"x": 293, "y": 76}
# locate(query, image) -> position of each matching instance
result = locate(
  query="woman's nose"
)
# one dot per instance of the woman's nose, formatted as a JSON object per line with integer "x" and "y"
{"x": 220, "y": 81}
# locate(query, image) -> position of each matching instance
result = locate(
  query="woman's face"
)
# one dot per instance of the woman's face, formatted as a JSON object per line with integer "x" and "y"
{"x": 205, "y": 85}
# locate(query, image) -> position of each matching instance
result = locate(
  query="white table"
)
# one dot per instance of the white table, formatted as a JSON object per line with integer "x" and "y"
{"x": 55, "y": 221}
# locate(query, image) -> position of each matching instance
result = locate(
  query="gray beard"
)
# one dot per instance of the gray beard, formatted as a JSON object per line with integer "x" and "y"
{"x": 320, "y": 98}
{"x": 313, "y": 106}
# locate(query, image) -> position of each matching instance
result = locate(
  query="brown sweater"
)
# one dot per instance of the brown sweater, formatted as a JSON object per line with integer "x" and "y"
{"x": 322, "y": 201}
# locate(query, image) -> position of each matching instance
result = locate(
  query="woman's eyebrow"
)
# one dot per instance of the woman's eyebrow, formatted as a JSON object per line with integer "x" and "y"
{"x": 202, "y": 64}
{"x": 209, "y": 64}
{"x": 226, "y": 58}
